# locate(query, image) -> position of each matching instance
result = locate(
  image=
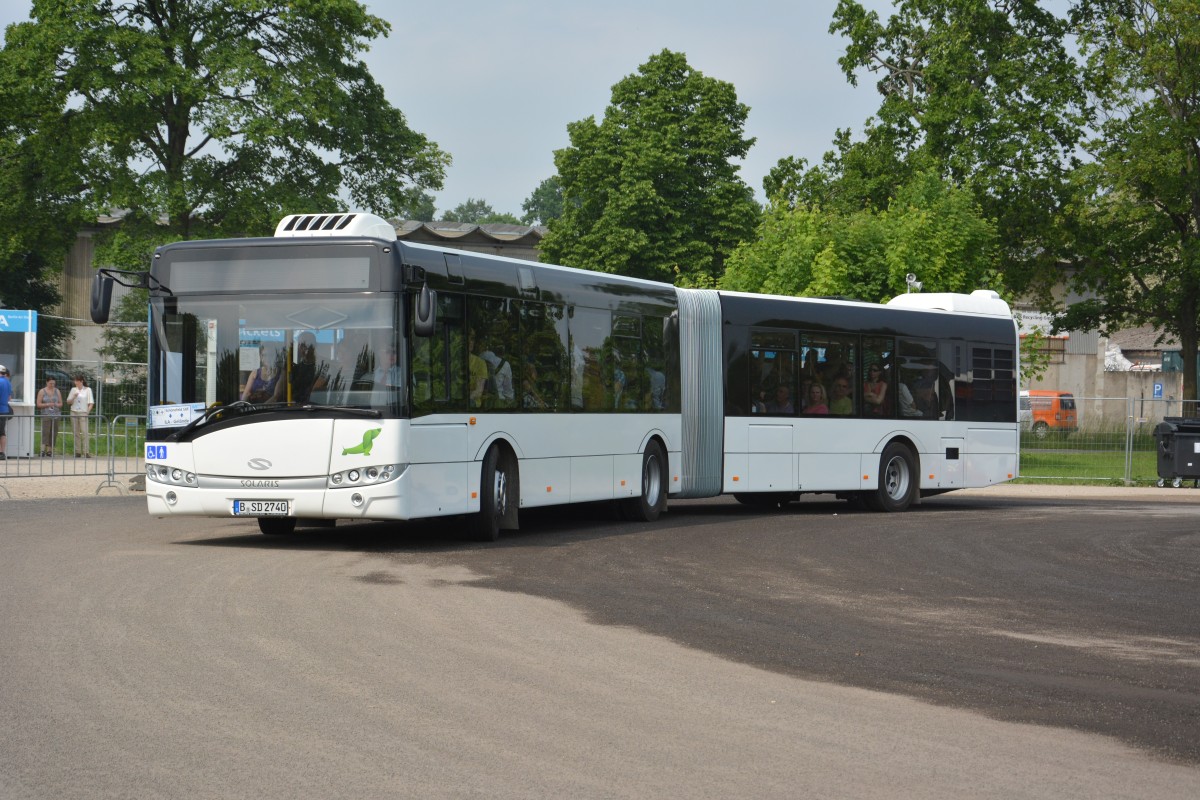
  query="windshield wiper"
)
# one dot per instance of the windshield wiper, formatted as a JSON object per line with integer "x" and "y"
{"x": 243, "y": 407}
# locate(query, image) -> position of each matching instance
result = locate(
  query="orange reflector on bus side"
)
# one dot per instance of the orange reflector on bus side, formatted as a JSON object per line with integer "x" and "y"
{"x": 471, "y": 421}
{"x": 474, "y": 495}
{"x": 866, "y": 477}
{"x": 735, "y": 479}
{"x": 549, "y": 489}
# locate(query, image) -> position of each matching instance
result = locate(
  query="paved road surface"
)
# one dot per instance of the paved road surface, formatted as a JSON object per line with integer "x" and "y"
{"x": 980, "y": 646}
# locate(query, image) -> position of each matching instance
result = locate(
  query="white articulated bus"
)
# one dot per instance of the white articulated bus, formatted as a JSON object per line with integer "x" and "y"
{"x": 333, "y": 372}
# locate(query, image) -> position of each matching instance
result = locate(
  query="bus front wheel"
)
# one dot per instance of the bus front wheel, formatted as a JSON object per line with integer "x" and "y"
{"x": 497, "y": 490}
{"x": 897, "y": 480}
{"x": 653, "y": 500}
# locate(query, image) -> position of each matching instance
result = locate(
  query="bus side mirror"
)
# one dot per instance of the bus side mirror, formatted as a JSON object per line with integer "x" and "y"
{"x": 102, "y": 286}
{"x": 425, "y": 313}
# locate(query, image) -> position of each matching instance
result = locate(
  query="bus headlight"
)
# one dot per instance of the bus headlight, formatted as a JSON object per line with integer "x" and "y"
{"x": 161, "y": 473}
{"x": 366, "y": 476}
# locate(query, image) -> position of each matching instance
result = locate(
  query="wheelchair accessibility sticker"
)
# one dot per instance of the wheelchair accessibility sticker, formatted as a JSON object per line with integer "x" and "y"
{"x": 156, "y": 452}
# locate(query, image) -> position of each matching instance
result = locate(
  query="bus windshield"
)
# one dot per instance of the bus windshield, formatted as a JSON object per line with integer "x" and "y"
{"x": 285, "y": 349}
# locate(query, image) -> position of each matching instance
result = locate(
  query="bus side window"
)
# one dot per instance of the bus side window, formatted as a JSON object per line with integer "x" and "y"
{"x": 918, "y": 388}
{"x": 492, "y": 325}
{"x": 878, "y": 378}
{"x": 655, "y": 362}
{"x": 591, "y": 365}
{"x": 439, "y": 362}
{"x": 544, "y": 375}
{"x": 628, "y": 377}
{"x": 773, "y": 359}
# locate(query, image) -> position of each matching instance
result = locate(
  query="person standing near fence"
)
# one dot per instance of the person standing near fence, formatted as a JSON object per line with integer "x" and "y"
{"x": 49, "y": 407}
{"x": 5, "y": 410}
{"x": 81, "y": 401}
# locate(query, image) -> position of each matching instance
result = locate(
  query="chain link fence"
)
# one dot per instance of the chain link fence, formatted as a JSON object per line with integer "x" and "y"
{"x": 1111, "y": 439}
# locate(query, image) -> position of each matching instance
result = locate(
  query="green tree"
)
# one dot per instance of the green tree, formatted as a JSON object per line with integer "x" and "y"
{"x": 652, "y": 190}
{"x": 987, "y": 93}
{"x": 421, "y": 208}
{"x": 215, "y": 118}
{"x": 1138, "y": 228}
{"x": 544, "y": 204}
{"x": 931, "y": 228}
{"x": 41, "y": 204}
{"x": 478, "y": 212}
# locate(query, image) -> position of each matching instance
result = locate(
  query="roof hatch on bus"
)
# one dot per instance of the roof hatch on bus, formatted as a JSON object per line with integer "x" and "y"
{"x": 355, "y": 224}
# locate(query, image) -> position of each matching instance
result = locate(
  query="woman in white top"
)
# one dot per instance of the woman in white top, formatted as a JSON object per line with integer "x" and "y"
{"x": 81, "y": 402}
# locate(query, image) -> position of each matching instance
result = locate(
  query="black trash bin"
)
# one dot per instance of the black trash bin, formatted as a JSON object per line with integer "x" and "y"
{"x": 1178, "y": 448}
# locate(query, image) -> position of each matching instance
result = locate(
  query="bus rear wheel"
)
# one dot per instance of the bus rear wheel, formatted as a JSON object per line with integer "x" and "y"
{"x": 497, "y": 488}
{"x": 653, "y": 500}
{"x": 897, "y": 480}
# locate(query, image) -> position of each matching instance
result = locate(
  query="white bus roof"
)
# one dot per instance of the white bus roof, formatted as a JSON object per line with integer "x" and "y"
{"x": 980, "y": 301}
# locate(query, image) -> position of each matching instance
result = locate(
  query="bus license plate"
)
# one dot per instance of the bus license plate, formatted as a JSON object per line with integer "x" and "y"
{"x": 260, "y": 508}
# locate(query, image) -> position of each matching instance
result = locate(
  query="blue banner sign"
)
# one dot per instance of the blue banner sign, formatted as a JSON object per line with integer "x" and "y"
{"x": 18, "y": 322}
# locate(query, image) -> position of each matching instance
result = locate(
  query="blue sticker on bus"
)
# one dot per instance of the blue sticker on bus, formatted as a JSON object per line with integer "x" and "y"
{"x": 156, "y": 452}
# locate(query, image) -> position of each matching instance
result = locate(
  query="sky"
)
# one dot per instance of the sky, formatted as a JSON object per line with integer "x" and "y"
{"x": 496, "y": 83}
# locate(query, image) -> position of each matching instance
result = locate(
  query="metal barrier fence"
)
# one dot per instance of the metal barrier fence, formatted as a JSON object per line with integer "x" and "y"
{"x": 119, "y": 387}
{"x": 49, "y": 447}
{"x": 1112, "y": 439}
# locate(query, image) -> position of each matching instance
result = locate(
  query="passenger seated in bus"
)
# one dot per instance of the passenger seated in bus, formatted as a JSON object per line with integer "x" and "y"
{"x": 264, "y": 380}
{"x": 619, "y": 382}
{"x": 875, "y": 391}
{"x": 340, "y": 369}
{"x": 656, "y": 386}
{"x": 307, "y": 375}
{"x": 817, "y": 403}
{"x": 388, "y": 373}
{"x": 781, "y": 403}
{"x": 758, "y": 405}
{"x": 500, "y": 379}
{"x": 840, "y": 401}
{"x": 919, "y": 401}
{"x": 530, "y": 397}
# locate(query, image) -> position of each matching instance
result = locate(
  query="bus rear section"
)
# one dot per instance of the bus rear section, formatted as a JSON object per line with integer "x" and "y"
{"x": 879, "y": 403}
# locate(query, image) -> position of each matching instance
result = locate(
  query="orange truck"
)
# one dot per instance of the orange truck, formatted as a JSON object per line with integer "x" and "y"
{"x": 1046, "y": 411}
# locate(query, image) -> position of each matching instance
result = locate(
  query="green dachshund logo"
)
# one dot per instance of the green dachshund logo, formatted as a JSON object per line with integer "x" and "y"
{"x": 365, "y": 447}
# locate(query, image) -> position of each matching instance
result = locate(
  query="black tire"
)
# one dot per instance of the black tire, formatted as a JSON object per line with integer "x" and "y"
{"x": 277, "y": 526}
{"x": 899, "y": 481}
{"x": 495, "y": 495}
{"x": 652, "y": 502}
